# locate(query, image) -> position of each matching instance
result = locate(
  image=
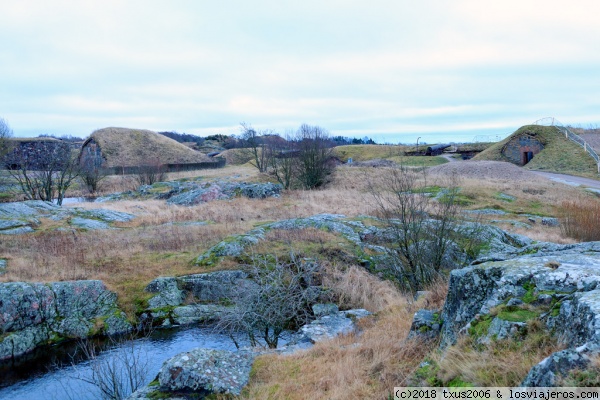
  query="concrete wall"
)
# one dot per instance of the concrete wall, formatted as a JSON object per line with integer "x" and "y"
{"x": 38, "y": 154}
{"x": 515, "y": 148}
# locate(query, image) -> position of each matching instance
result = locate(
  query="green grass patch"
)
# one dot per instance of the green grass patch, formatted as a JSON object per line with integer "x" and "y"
{"x": 419, "y": 161}
{"x": 481, "y": 327}
{"x": 517, "y": 315}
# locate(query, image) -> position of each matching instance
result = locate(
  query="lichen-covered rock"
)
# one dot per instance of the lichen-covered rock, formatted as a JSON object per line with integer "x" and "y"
{"x": 88, "y": 224}
{"x": 501, "y": 329}
{"x": 168, "y": 292}
{"x": 32, "y": 314}
{"x": 201, "y": 192}
{"x": 215, "y": 286}
{"x": 206, "y": 371}
{"x": 166, "y": 308}
{"x": 22, "y": 217}
{"x": 329, "y": 325}
{"x": 321, "y": 309}
{"x": 545, "y": 374}
{"x": 426, "y": 324}
{"x": 195, "y": 313}
{"x": 562, "y": 284}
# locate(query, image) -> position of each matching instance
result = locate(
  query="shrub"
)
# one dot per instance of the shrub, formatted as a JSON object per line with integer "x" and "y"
{"x": 579, "y": 219}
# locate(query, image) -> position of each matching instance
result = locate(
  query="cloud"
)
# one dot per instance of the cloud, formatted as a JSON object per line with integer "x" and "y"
{"x": 391, "y": 67}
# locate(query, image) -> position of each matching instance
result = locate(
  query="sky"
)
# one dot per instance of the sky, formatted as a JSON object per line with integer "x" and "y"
{"x": 393, "y": 70}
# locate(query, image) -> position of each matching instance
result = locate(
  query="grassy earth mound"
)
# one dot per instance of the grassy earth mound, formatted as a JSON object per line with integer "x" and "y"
{"x": 559, "y": 154}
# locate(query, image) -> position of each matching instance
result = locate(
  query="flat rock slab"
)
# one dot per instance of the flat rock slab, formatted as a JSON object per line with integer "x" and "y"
{"x": 22, "y": 217}
{"x": 89, "y": 224}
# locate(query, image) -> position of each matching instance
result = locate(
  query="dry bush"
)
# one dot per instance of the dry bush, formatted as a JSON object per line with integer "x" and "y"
{"x": 540, "y": 232}
{"x": 365, "y": 365}
{"x": 357, "y": 288}
{"x": 579, "y": 219}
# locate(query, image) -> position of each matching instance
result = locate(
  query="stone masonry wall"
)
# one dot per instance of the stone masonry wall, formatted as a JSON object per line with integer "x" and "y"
{"x": 514, "y": 149}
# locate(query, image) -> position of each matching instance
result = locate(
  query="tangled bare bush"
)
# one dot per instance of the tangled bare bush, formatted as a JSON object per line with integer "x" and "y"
{"x": 118, "y": 372}
{"x": 423, "y": 235}
{"x": 279, "y": 298}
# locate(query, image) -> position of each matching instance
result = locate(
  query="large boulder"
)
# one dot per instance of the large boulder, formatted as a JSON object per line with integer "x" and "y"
{"x": 32, "y": 314}
{"x": 206, "y": 371}
{"x": 558, "y": 285}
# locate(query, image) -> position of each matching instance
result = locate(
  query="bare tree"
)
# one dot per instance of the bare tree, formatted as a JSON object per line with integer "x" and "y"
{"x": 423, "y": 236}
{"x": 5, "y": 135}
{"x": 151, "y": 173}
{"x": 314, "y": 152}
{"x": 284, "y": 162}
{"x": 280, "y": 298}
{"x": 92, "y": 175}
{"x": 254, "y": 144}
{"x": 46, "y": 173}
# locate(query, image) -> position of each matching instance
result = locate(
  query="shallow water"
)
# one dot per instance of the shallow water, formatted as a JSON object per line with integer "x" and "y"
{"x": 75, "y": 200}
{"x": 39, "y": 377}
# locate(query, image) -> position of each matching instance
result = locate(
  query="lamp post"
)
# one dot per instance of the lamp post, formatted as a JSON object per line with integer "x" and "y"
{"x": 418, "y": 144}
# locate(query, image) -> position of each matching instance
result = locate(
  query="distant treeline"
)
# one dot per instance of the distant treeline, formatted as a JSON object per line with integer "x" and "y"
{"x": 233, "y": 141}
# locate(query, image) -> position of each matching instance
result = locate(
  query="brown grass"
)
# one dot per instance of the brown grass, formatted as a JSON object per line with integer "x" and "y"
{"x": 501, "y": 363}
{"x": 579, "y": 219}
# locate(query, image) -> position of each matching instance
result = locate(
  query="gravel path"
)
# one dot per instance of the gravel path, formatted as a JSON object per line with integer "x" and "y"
{"x": 505, "y": 170}
{"x": 483, "y": 170}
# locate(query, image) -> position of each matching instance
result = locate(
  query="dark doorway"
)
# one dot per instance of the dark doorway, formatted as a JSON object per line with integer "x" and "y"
{"x": 526, "y": 156}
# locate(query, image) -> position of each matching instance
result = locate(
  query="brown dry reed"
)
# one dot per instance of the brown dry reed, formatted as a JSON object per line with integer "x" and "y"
{"x": 580, "y": 219}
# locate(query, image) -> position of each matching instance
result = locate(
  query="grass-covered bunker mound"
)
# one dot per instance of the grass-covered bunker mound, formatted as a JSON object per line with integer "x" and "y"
{"x": 122, "y": 147}
{"x": 541, "y": 148}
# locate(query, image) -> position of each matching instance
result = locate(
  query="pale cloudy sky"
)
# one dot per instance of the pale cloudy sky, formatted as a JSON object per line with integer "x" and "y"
{"x": 393, "y": 70}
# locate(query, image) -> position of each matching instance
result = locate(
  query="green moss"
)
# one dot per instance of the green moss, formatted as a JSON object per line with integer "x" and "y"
{"x": 529, "y": 295}
{"x": 434, "y": 190}
{"x": 428, "y": 372}
{"x": 555, "y": 309}
{"x": 158, "y": 395}
{"x": 481, "y": 327}
{"x": 457, "y": 382}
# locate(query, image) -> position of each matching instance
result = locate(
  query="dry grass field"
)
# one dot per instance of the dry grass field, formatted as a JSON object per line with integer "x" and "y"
{"x": 161, "y": 242}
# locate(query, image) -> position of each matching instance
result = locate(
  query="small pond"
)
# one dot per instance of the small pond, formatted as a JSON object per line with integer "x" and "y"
{"x": 51, "y": 373}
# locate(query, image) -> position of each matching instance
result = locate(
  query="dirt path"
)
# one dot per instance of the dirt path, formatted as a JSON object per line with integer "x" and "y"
{"x": 449, "y": 157}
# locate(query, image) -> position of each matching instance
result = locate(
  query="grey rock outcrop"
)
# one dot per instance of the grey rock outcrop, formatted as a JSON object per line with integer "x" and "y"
{"x": 207, "y": 293}
{"x": 545, "y": 374}
{"x": 23, "y": 217}
{"x": 32, "y": 314}
{"x": 329, "y": 324}
{"x": 426, "y": 324}
{"x": 563, "y": 280}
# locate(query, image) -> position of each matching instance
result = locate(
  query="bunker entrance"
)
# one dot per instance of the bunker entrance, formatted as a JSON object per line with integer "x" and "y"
{"x": 526, "y": 156}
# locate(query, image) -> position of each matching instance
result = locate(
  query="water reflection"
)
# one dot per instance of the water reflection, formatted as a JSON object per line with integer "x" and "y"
{"x": 52, "y": 375}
